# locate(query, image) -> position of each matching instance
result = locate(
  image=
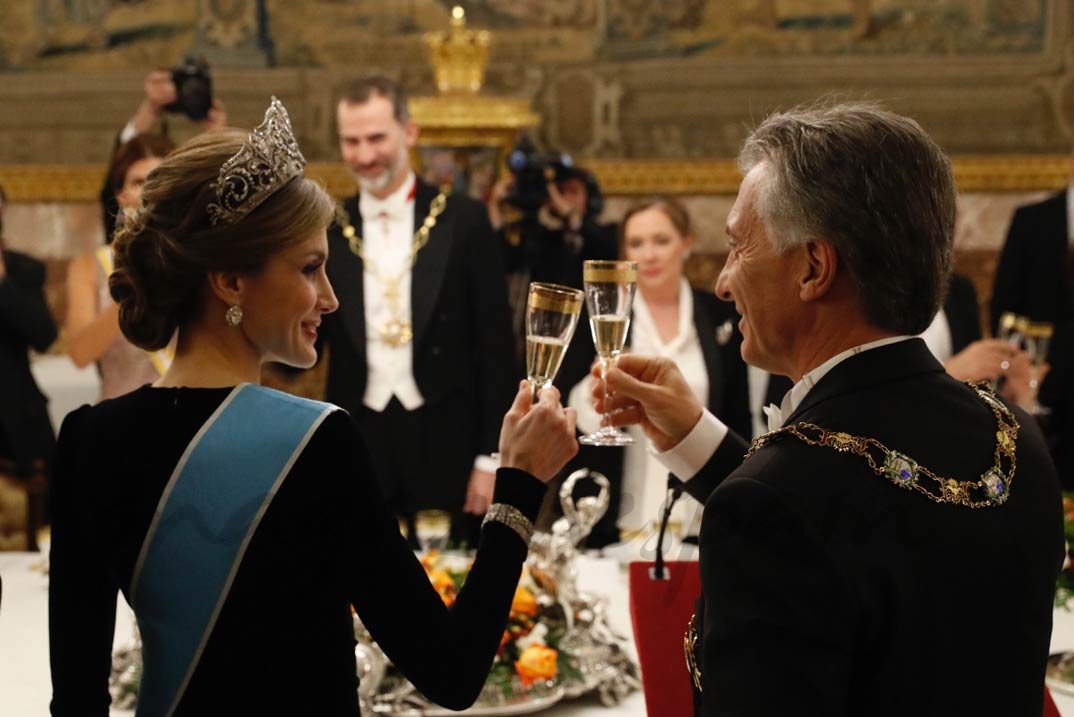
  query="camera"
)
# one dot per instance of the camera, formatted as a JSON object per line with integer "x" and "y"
{"x": 193, "y": 89}
{"x": 533, "y": 170}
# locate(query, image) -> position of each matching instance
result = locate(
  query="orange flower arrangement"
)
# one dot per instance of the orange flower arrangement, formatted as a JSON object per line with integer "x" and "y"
{"x": 527, "y": 652}
{"x": 537, "y": 662}
{"x": 1064, "y": 588}
{"x": 524, "y": 603}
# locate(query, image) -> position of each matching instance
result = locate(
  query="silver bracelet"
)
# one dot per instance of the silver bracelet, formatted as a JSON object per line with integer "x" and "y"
{"x": 513, "y": 518}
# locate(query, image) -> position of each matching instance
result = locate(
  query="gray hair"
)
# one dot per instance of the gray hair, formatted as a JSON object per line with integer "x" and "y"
{"x": 876, "y": 187}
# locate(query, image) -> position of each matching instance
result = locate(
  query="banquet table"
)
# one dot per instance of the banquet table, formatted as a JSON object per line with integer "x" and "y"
{"x": 24, "y": 672}
{"x": 25, "y": 686}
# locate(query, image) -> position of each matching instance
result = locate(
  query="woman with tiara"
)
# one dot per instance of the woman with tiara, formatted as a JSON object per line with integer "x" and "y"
{"x": 243, "y": 524}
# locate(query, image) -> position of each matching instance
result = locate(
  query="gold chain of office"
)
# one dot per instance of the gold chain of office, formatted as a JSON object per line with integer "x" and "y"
{"x": 395, "y": 331}
{"x": 991, "y": 489}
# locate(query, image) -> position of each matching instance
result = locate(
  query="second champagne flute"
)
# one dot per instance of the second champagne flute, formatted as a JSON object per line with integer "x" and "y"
{"x": 551, "y": 316}
{"x": 609, "y": 295}
{"x": 1037, "y": 336}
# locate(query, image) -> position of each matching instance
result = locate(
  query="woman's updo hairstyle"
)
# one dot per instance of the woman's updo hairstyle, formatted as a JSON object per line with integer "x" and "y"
{"x": 164, "y": 251}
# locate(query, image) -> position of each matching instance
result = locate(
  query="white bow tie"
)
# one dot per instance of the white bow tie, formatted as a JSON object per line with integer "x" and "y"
{"x": 775, "y": 416}
{"x": 387, "y": 211}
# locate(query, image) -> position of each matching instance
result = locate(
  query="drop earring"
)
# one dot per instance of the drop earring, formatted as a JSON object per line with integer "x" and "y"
{"x": 233, "y": 316}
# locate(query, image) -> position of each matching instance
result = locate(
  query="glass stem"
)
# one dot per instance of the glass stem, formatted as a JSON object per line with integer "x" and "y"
{"x": 605, "y": 424}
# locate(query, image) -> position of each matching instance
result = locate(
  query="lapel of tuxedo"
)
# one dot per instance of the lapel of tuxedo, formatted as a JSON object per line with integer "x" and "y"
{"x": 347, "y": 277}
{"x": 427, "y": 276}
{"x": 869, "y": 368}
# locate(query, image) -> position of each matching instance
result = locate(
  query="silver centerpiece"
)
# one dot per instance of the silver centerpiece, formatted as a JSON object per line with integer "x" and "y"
{"x": 599, "y": 663}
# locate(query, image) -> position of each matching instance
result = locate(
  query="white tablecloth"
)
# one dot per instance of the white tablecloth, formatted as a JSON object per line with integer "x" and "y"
{"x": 25, "y": 686}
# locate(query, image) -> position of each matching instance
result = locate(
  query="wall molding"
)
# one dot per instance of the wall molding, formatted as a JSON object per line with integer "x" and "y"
{"x": 617, "y": 177}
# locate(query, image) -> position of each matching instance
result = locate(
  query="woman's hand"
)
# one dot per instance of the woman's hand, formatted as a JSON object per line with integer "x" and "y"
{"x": 537, "y": 437}
{"x": 985, "y": 360}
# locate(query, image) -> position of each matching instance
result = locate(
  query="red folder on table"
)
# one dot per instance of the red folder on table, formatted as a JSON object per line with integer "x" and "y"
{"x": 1050, "y": 710}
{"x": 660, "y": 611}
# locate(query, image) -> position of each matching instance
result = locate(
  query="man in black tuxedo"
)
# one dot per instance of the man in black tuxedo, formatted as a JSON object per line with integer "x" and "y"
{"x": 892, "y": 548}
{"x": 27, "y": 440}
{"x": 1035, "y": 279}
{"x": 420, "y": 351}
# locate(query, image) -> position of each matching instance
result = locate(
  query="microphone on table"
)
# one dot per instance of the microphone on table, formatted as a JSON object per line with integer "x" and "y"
{"x": 675, "y": 487}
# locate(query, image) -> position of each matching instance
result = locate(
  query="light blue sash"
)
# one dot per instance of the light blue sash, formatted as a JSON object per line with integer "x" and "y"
{"x": 209, "y": 510}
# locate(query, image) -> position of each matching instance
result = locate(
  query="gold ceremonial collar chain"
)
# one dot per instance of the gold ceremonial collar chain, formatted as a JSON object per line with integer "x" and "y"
{"x": 395, "y": 331}
{"x": 991, "y": 489}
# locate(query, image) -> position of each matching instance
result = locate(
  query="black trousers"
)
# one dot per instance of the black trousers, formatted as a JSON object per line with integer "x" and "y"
{"x": 396, "y": 440}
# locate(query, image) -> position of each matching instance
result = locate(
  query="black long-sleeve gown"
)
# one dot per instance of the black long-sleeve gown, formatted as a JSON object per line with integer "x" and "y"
{"x": 284, "y": 640}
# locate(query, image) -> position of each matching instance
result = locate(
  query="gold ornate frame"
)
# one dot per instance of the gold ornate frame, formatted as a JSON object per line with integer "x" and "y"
{"x": 623, "y": 177}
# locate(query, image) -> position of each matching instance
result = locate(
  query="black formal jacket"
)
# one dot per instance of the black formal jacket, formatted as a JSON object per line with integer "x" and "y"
{"x": 26, "y": 432}
{"x": 549, "y": 256}
{"x": 963, "y": 314}
{"x": 463, "y": 358}
{"x": 828, "y": 590}
{"x": 716, "y": 324}
{"x": 1033, "y": 279}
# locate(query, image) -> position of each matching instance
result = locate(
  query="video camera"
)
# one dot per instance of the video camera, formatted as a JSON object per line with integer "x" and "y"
{"x": 193, "y": 89}
{"x": 533, "y": 170}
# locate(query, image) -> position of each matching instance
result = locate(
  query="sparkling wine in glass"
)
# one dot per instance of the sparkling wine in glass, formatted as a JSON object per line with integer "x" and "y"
{"x": 1037, "y": 336}
{"x": 551, "y": 317}
{"x": 432, "y": 528}
{"x": 1011, "y": 328}
{"x": 609, "y": 295}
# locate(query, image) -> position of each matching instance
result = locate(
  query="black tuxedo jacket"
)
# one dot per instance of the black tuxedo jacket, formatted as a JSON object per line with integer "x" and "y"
{"x": 548, "y": 256}
{"x": 828, "y": 590}
{"x": 963, "y": 314}
{"x": 1033, "y": 279}
{"x": 728, "y": 394}
{"x": 463, "y": 358}
{"x": 26, "y": 432}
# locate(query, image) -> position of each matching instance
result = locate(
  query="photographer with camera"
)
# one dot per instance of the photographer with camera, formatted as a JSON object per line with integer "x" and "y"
{"x": 185, "y": 90}
{"x": 92, "y": 323}
{"x": 546, "y": 213}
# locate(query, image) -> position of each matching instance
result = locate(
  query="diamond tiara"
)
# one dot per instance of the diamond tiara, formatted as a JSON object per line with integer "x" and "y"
{"x": 269, "y": 159}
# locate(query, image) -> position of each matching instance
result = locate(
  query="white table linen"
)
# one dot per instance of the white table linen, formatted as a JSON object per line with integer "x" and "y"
{"x": 26, "y": 687}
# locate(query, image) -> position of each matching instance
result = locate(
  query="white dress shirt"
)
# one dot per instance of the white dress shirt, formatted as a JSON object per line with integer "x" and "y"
{"x": 938, "y": 337}
{"x": 388, "y": 235}
{"x": 1070, "y": 215}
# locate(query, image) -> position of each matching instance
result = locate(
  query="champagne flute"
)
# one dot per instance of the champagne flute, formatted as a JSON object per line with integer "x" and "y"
{"x": 1011, "y": 328}
{"x": 551, "y": 317}
{"x": 609, "y": 294}
{"x": 432, "y": 527}
{"x": 1037, "y": 336}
